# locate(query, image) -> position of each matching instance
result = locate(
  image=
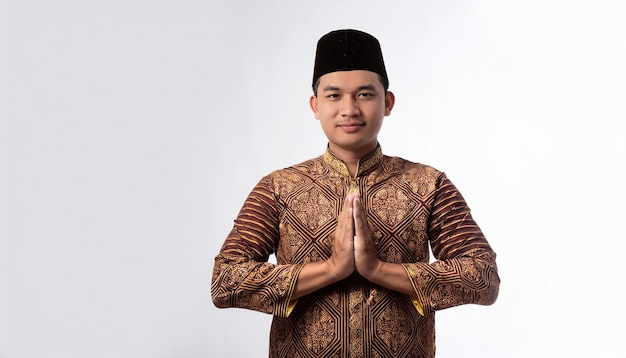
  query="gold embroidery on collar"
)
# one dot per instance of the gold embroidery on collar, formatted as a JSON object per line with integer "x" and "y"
{"x": 365, "y": 164}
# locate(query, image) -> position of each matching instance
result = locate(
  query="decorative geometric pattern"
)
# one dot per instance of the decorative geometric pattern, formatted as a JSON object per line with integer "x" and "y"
{"x": 391, "y": 205}
{"x": 312, "y": 208}
{"x": 292, "y": 213}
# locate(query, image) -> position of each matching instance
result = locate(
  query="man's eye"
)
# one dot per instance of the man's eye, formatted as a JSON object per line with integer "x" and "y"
{"x": 365, "y": 94}
{"x": 332, "y": 96}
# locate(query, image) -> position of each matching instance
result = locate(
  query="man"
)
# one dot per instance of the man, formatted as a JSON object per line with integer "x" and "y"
{"x": 351, "y": 231}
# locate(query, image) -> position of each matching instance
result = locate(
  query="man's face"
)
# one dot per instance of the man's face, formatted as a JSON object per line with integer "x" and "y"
{"x": 350, "y": 106}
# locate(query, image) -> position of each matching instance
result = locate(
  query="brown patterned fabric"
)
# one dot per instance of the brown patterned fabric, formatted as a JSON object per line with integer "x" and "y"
{"x": 292, "y": 213}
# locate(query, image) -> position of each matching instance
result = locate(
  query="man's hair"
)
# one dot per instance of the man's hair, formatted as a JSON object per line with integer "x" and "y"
{"x": 384, "y": 81}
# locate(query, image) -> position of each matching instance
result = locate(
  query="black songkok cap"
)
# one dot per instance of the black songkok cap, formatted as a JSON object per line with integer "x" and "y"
{"x": 347, "y": 50}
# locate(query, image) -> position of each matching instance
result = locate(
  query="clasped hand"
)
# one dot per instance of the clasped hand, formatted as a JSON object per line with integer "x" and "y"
{"x": 353, "y": 246}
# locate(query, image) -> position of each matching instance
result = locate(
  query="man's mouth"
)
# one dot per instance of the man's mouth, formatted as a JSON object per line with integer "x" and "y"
{"x": 351, "y": 127}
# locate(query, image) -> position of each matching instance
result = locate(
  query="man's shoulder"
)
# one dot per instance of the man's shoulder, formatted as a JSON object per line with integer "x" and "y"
{"x": 304, "y": 168}
{"x": 423, "y": 179}
{"x": 288, "y": 179}
{"x": 403, "y": 166}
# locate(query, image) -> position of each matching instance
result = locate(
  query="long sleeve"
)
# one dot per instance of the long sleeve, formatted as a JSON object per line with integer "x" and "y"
{"x": 242, "y": 277}
{"x": 465, "y": 270}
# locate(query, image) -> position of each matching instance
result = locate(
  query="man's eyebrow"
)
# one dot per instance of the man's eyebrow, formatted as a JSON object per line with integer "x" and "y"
{"x": 360, "y": 88}
{"x": 330, "y": 88}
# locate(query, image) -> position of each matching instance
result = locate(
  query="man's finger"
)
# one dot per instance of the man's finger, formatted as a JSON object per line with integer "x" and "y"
{"x": 359, "y": 214}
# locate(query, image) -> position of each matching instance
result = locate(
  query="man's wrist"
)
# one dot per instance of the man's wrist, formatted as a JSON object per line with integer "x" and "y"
{"x": 373, "y": 271}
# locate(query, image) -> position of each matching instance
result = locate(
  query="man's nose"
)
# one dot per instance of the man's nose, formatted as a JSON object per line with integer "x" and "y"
{"x": 349, "y": 106}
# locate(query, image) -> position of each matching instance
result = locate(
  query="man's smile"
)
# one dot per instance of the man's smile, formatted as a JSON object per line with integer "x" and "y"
{"x": 351, "y": 126}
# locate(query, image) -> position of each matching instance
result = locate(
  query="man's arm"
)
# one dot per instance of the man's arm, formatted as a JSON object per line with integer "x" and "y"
{"x": 242, "y": 277}
{"x": 465, "y": 270}
{"x": 317, "y": 275}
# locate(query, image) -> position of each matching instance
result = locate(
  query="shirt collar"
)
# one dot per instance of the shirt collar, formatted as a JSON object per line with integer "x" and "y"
{"x": 367, "y": 163}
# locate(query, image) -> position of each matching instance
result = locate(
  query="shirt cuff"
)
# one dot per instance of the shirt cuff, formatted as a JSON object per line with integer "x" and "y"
{"x": 292, "y": 301}
{"x": 416, "y": 301}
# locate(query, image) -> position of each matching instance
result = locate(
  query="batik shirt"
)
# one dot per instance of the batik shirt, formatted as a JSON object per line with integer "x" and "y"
{"x": 293, "y": 212}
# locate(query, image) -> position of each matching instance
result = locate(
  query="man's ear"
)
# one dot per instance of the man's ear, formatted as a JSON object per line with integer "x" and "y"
{"x": 390, "y": 100}
{"x": 313, "y": 105}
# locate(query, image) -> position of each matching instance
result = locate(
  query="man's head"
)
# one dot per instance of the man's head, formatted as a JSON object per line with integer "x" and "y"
{"x": 351, "y": 97}
{"x": 348, "y": 50}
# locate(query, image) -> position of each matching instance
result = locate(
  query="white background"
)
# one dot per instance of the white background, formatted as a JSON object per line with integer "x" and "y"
{"x": 131, "y": 132}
